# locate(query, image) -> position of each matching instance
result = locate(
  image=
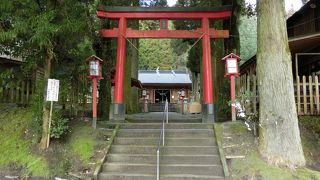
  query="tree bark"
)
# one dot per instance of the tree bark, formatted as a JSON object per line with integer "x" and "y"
{"x": 131, "y": 71}
{"x": 280, "y": 142}
{"x": 105, "y": 51}
{"x": 45, "y": 109}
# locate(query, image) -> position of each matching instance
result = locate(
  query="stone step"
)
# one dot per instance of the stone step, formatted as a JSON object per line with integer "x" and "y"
{"x": 165, "y": 159}
{"x": 168, "y": 141}
{"x": 167, "y": 126}
{"x": 168, "y": 133}
{"x": 127, "y": 176}
{"x": 166, "y": 150}
{"x": 190, "y": 153}
{"x": 186, "y": 169}
{"x": 195, "y": 120}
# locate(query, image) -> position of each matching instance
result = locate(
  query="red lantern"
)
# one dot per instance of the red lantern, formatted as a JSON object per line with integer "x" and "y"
{"x": 232, "y": 70}
{"x": 95, "y": 74}
{"x": 231, "y": 64}
{"x": 95, "y": 67}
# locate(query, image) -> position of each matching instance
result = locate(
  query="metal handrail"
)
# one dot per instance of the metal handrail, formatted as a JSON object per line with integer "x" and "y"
{"x": 161, "y": 137}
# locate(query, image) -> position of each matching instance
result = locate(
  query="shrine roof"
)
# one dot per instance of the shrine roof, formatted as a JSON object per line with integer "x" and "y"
{"x": 176, "y": 77}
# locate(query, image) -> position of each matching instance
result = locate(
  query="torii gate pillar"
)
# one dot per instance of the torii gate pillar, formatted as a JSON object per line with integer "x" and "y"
{"x": 208, "y": 115}
{"x": 118, "y": 103}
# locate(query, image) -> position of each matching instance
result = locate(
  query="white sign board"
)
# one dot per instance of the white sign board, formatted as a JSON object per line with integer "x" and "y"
{"x": 94, "y": 68}
{"x": 232, "y": 66}
{"x": 53, "y": 90}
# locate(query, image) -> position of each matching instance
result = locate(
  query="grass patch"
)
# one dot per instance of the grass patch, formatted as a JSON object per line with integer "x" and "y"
{"x": 254, "y": 167}
{"x": 312, "y": 123}
{"x": 16, "y": 141}
{"x": 310, "y": 136}
{"x": 218, "y": 132}
{"x": 237, "y": 127}
{"x": 82, "y": 142}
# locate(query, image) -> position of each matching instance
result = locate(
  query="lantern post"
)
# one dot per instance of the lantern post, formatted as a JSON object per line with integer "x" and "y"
{"x": 145, "y": 100}
{"x": 95, "y": 74}
{"x": 232, "y": 70}
{"x": 182, "y": 95}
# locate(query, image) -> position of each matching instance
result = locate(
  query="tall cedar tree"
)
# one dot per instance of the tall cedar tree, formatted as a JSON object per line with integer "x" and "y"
{"x": 36, "y": 30}
{"x": 280, "y": 142}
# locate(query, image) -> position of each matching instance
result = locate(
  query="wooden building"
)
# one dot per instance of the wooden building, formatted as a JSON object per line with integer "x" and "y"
{"x": 303, "y": 29}
{"x": 14, "y": 87}
{"x": 164, "y": 85}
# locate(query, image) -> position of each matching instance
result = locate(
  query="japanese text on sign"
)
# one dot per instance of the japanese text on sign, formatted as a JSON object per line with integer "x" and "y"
{"x": 53, "y": 90}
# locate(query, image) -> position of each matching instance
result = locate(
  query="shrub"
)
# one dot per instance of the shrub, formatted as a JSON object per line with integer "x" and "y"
{"x": 59, "y": 126}
{"x": 312, "y": 123}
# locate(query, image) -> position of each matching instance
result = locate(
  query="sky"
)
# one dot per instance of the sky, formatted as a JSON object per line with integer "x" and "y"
{"x": 296, "y": 4}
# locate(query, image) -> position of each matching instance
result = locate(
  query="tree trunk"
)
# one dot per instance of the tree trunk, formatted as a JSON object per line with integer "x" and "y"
{"x": 131, "y": 71}
{"x": 107, "y": 54}
{"x": 134, "y": 74}
{"x": 280, "y": 142}
{"x": 45, "y": 109}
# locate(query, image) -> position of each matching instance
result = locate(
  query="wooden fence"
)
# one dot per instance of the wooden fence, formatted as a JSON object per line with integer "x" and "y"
{"x": 306, "y": 90}
{"x": 14, "y": 91}
{"x": 307, "y": 95}
{"x": 248, "y": 83}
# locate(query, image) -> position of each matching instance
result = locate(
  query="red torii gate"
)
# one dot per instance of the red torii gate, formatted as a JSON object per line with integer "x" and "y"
{"x": 122, "y": 14}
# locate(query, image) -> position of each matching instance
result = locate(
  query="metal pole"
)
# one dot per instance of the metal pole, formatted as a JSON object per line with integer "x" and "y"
{"x": 162, "y": 133}
{"x": 158, "y": 164}
{"x": 167, "y": 115}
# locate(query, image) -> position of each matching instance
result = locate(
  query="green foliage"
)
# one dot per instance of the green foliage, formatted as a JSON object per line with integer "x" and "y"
{"x": 38, "y": 30}
{"x": 224, "y": 109}
{"x": 156, "y": 53}
{"x": 312, "y": 123}
{"x": 195, "y": 58}
{"x": 44, "y": 29}
{"x": 59, "y": 125}
{"x": 36, "y": 107}
{"x": 6, "y": 79}
{"x": 148, "y": 3}
{"x": 248, "y": 37}
{"x": 16, "y": 137}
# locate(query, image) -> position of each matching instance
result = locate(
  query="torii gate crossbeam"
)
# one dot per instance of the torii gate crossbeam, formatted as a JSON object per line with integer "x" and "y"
{"x": 122, "y": 14}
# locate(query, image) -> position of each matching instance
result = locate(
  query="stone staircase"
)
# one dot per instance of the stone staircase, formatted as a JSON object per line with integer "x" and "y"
{"x": 158, "y": 107}
{"x": 190, "y": 152}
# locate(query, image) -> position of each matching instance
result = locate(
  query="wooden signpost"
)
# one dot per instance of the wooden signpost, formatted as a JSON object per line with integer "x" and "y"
{"x": 52, "y": 95}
